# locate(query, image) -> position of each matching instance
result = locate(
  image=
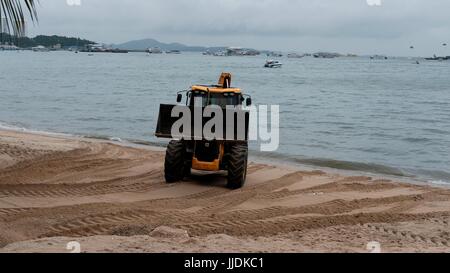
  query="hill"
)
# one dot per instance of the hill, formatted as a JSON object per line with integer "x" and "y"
{"x": 149, "y": 43}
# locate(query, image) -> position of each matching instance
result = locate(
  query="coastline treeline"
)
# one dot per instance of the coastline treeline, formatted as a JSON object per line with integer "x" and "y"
{"x": 47, "y": 41}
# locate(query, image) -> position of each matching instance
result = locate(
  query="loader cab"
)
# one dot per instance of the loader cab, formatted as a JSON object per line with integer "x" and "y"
{"x": 221, "y": 94}
{"x": 200, "y": 98}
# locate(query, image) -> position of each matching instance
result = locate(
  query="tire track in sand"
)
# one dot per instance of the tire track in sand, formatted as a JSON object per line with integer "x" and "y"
{"x": 139, "y": 183}
{"x": 408, "y": 235}
{"x": 209, "y": 220}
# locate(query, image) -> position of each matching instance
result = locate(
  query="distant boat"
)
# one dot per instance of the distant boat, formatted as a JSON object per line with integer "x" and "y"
{"x": 326, "y": 55}
{"x": 116, "y": 50}
{"x": 173, "y": 52}
{"x": 378, "y": 57}
{"x": 97, "y": 48}
{"x": 220, "y": 54}
{"x": 275, "y": 54}
{"x": 273, "y": 64}
{"x": 438, "y": 58}
{"x": 155, "y": 50}
{"x": 295, "y": 55}
{"x": 40, "y": 49}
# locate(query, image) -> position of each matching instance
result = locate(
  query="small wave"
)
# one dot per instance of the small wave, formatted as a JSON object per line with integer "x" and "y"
{"x": 440, "y": 182}
{"x": 23, "y": 128}
{"x": 353, "y": 166}
{"x": 437, "y": 131}
{"x": 103, "y": 137}
{"x": 438, "y": 177}
{"x": 88, "y": 119}
{"x": 10, "y": 127}
{"x": 149, "y": 143}
{"x": 417, "y": 139}
{"x": 124, "y": 141}
{"x": 337, "y": 164}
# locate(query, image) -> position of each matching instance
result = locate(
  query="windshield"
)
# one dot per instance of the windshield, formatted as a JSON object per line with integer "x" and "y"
{"x": 201, "y": 99}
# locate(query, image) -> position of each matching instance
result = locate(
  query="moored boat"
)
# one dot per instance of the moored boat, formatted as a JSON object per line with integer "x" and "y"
{"x": 155, "y": 50}
{"x": 295, "y": 55}
{"x": 173, "y": 52}
{"x": 40, "y": 49}
{"x": 273, "y": 64}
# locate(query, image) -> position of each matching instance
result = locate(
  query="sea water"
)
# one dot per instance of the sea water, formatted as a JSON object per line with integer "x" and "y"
{"x": 381, "y": 116}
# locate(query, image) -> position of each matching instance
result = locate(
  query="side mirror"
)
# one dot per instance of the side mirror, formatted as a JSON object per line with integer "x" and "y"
{"x": 179, "y": 98}
{"x": 248, "y": 101}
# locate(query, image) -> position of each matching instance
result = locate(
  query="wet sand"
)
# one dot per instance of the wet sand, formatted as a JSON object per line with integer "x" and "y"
{"x": 112, "y": 198}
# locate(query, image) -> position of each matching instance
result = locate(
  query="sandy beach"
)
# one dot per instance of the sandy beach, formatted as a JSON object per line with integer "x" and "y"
{"x": 113, "y": 198}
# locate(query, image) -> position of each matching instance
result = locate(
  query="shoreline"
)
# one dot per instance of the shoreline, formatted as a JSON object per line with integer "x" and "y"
{"x": 278, "y": 159}
{"x": 112, "y": 198}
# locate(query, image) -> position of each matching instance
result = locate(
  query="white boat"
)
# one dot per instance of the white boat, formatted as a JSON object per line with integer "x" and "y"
{"x": 295, "y": 56}
{"x": 40, "y": 49}
{"x": 219, "y": 54}
{"x": 273, "y": 64}
{"x": 155, "y": 50}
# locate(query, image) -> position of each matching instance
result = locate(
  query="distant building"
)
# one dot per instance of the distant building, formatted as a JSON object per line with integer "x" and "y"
{"x": 238, "y": 51}
{"x": 57, "y": 47}
{"x": 94, "y": 48}
{"x": 154, "y": 50}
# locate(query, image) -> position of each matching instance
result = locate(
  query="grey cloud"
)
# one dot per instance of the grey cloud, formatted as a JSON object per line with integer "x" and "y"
{"x": 258, "y": 21}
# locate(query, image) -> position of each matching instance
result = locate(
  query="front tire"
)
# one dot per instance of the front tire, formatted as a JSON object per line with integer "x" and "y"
{"x": 174, "y": 166}
{"x": 237, "y": 165}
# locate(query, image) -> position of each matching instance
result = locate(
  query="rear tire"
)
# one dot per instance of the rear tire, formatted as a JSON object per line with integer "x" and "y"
{"x": 174, "y": 166}
{"x": 237, "y": 165}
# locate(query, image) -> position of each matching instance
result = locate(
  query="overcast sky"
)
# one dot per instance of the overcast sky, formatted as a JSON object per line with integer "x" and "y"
{"x": 288, "y": 25}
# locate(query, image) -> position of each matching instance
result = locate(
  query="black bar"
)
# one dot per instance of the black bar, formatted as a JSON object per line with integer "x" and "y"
{"x": 179, "y": 262}
{"x": 165, "y": 122}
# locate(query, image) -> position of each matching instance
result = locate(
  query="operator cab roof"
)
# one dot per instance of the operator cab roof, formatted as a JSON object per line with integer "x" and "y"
{"x": 215, "y": 89}
{"x": 223, "y": 86}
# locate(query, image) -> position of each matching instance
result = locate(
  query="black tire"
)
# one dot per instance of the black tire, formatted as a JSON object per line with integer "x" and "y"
{"x": 237, "y": 165}
{"x": 174, "y": 166}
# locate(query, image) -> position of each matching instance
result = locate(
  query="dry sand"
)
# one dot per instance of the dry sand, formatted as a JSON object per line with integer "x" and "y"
{"x": 112, "y": 198}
